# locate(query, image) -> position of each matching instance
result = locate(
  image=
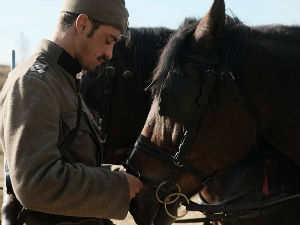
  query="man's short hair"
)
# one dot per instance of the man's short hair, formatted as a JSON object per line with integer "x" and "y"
{"x": 67, "y": 19}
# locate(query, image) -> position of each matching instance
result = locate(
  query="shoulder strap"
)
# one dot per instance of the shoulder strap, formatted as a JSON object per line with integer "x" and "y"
{"x": 65, "y": 145}
{"x": 95, "y": 134}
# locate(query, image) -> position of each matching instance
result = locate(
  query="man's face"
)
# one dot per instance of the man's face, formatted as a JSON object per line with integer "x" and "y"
{"x": 94, "y": 50}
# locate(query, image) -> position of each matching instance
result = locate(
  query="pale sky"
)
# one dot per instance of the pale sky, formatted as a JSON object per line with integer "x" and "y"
{"x": 25, "y": 22}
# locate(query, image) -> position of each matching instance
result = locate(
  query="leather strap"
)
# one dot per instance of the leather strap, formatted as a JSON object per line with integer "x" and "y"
{"x": 191, "y": 129}
{"x": 231, "y": 210}
{"x": 108, "y": 92}
{"x": 65, "y": 145}
{"x": 169, "y": 159}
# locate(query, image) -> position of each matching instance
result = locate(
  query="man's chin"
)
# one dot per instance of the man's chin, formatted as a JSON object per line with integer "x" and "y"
{"x": 90, "y": 68}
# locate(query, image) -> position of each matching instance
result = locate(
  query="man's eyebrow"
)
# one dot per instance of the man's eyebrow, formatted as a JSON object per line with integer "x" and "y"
{"x": 113, "y": 37}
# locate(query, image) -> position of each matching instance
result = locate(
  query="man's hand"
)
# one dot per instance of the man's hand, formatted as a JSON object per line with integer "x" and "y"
{"x": 135, "y": 185}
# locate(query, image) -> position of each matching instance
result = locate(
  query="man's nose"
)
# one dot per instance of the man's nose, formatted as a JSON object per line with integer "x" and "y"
{"x": 108, "y": 53}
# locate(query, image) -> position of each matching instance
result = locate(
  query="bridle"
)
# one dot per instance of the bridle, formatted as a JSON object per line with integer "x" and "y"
{"x": 109, "y": 72}
{"x": 178, "y": 162}
{"x": 202, "y": 93}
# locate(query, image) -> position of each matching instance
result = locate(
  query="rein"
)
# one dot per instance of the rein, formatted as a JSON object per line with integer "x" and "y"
{"x": 108, "y": 92}
{"x": 220, "y": 211}
{"x": 109, "y": 76}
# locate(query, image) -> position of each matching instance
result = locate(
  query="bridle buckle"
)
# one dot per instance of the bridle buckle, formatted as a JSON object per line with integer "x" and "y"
{"x": 176, "y": 162}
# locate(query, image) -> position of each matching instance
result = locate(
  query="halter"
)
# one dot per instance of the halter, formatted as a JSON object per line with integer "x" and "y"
{"x": 178, "y": 162}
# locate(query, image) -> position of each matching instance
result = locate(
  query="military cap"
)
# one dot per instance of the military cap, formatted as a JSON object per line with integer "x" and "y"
{"x": 109, "y": 12}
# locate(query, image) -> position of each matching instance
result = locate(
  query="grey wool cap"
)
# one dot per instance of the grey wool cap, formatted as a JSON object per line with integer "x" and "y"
{"x": 109, "y": 12}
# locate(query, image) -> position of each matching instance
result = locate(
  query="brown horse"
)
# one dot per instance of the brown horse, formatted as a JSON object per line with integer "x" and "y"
{"x": 219, "y": 88}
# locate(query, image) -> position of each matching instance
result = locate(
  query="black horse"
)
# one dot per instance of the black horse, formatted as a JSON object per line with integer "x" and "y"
{"x": 221, "y": 89}
{"x": 115, "y": 94}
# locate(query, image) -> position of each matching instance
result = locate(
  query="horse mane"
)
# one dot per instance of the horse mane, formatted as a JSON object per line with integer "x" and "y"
{"x": 145, "y": 45}
{"x": 276, "y": 32}
{"x": 235, "y": 37}
{"x": 171, "y": 53}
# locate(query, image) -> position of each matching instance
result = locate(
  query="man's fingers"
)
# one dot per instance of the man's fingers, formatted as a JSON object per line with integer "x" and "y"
{"x": 135, "y": 185}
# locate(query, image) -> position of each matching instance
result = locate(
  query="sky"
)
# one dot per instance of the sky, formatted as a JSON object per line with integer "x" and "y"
{"x": 25, "y": 22}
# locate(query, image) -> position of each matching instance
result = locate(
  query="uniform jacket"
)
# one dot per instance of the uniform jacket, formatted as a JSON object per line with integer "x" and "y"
{"x": 38, "y": 108}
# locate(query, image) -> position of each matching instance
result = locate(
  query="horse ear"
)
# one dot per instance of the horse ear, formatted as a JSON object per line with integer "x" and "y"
{"x": 212, "y": 24}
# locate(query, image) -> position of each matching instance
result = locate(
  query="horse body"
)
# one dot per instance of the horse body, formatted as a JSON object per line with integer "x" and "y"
{"x": 253, "y": 98}
{"x": 271, "y": 79}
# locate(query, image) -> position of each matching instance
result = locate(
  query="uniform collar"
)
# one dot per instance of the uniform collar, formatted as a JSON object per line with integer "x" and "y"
{"x": 60, "y": 56}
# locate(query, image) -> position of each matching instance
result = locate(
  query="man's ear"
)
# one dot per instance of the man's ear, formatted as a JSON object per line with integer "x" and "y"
{"x": 83, "y": 24}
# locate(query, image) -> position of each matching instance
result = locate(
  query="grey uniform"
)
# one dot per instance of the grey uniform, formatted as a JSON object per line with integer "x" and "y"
{"x": 38, "y": 109}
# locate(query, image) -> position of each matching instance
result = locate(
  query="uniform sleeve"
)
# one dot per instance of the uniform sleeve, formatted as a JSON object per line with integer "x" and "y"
{"x": 40, "y": 179}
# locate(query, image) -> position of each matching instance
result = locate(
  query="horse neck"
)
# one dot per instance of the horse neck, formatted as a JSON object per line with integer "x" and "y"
{"x": 269, "y": 76}
{"x": 139, "y": 51}
{"x": 144, "y": 45}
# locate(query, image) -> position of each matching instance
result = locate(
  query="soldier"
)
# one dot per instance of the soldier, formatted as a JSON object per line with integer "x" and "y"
{"x": 50, "y": 141}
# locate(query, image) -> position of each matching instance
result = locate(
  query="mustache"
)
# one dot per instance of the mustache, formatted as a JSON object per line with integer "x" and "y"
{"x": 102, "y": 58}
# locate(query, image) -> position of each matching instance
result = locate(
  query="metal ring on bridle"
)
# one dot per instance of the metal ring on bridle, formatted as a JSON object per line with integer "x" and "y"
{"x": 164, "y": 202}
{"x": 111, "y": 68}
{"x": 178, "y": 196}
